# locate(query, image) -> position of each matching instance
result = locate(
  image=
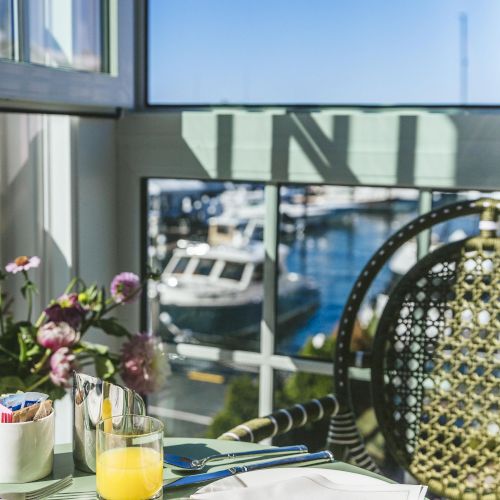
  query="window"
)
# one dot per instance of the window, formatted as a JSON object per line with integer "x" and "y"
{"x": 6, "y": 45}
{"x": 229, "y": 393}
{"x": 198, "y": 238}
{"x": 284, "y": 52}
{"x": 79, "y": 53}
{"x": 67, "y": 33}
{"x": 325, "y": 235}
{"x": 204, "y": 267}
{"x": 232, "y": 271}
{"x": 181, "y": 265}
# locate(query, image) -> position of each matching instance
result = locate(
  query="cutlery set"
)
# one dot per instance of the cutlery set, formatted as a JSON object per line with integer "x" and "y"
{"x": 299, "y": 456}
{"x": 296, "y": 455}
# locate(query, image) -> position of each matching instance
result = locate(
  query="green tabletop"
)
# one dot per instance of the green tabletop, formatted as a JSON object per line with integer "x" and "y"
{"x": 189, "y": 447}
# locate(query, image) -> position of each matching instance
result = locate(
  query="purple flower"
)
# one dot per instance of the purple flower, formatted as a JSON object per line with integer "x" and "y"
{"x": 61, "y": 366}
{"x": 144, "y": 365}
{"x": 22, "y": 263}
{"x": 124, "y": 287}
{"x": 66, "y": 309}
{"x": 56, "y": 335}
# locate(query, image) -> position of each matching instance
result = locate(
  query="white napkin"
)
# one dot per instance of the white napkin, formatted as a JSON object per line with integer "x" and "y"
{"x": 317, "y": 484}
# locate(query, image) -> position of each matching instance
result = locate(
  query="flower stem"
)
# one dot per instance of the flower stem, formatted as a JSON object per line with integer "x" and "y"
{"x": 38, "y": 383}
{"x": 1, "y": 312}
{"x": 40, "y": 364}
{"x": 40, "y": 320}
{"x": 71, "y": 285}
{"x": 29, "y": 297}
{"x": 106, "y": 310}
{"x": 30, "y": 306}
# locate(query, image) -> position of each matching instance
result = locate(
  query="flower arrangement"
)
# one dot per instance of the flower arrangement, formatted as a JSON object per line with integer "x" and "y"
{"x": 42, "y": 354}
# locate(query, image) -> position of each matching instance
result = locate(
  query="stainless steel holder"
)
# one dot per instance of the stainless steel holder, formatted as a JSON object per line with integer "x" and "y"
{"x": 94, "y": 399}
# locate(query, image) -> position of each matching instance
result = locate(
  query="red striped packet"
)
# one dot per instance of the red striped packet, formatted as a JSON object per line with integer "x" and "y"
{"x": 5, "y": 415}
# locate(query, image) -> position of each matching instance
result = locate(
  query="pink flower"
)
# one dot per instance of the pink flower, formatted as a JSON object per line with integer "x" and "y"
{"x": 124, "y": 287}
{"x": 61, "y": 366}
{"x": 22, "y": 263}
{"x": 144, "y": 365}
{"x": 56, "y": 335}
{"x": 66, "y": 309}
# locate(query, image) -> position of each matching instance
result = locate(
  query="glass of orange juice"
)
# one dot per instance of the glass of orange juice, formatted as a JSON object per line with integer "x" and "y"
{"x": 129, "y": 458}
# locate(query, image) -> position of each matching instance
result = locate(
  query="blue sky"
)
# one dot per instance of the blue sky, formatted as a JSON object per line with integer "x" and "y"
{"x": 321, "y": 51}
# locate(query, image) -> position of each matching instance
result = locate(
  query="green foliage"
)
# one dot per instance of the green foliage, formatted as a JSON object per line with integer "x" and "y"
{"x": 241, "y": 402}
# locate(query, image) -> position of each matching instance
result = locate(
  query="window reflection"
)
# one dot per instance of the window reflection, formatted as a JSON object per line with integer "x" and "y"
{"x": 6, "y": 29}
{"x": 66, "y": 33}
{"x": 460, "y": 227}
{"x": 329, "y": 234}
{"x": 207, "y": 245}
{"x": 203, "y": 398}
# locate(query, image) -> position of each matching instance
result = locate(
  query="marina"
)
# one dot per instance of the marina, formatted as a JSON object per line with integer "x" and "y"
{"x": 212, "y": 277}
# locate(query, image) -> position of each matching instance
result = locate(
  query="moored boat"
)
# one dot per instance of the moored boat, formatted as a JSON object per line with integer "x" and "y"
{"x": 217, "y": 291}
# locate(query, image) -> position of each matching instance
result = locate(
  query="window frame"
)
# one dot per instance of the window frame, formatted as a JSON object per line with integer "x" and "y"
{"x": 64, "y": 89}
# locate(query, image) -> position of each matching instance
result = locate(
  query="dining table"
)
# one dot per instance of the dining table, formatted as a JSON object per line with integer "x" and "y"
{"x": 84, "y": 484}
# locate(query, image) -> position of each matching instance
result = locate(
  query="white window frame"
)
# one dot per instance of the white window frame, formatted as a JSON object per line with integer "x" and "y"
{"x": 24, "y": 85}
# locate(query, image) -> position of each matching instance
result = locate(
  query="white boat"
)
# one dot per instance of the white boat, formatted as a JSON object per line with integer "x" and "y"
{"x": 217, "y": 291}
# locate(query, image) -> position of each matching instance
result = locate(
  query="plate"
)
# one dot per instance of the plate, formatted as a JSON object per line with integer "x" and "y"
{"x": 273, "y": 475}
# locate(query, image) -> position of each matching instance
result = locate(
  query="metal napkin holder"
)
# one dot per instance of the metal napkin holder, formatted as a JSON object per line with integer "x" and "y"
{"x": 93, "y": 400}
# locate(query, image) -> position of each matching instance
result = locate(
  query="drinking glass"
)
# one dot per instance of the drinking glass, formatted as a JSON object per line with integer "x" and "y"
{"x": 129, "y": 458}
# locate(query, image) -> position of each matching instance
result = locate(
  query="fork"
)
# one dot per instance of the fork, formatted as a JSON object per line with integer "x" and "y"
{"x": 40, "y": 493}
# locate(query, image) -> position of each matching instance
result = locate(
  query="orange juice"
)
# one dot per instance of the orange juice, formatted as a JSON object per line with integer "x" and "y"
{"x": 129, "y": 473}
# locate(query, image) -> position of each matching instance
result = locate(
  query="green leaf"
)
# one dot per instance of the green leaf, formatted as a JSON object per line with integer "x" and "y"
{"x": 33, "y": 351}
{"x": 100, "y": 349}
{"x": 54, "y": 392}
{"x": 111, "y": 327}
{"x": 152, "y": 274}
{"x": 105, "y": 368}
{"x": 11, "y": 384}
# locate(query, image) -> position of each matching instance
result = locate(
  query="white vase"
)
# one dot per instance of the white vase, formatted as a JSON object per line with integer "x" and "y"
{"x": 28, "y": 449}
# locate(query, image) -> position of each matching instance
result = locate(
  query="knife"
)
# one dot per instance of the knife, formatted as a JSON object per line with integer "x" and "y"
{"x": 319, "y": 457}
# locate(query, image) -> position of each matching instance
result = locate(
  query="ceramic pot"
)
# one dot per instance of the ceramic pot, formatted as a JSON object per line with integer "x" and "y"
{"x": 28, "y": 450}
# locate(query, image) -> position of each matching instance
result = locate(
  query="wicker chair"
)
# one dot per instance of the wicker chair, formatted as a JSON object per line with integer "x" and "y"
{"x": 435, "y": 365}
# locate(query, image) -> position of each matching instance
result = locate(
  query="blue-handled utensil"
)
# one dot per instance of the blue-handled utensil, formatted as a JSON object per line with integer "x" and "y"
{"x": 319, "y": 457}
{"x": 198, "y": 464}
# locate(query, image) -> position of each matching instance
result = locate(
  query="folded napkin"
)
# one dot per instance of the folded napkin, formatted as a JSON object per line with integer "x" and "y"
{"x": 315, "y": 484}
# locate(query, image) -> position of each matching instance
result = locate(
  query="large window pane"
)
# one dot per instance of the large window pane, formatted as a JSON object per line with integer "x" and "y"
{"x": 206, "y": 239}
{"x": 6, "y": 29}
{"x": 298, "y": 51}
{"x": 327, "y": 235}
{"x": 66, "y": 33}
{"x": 205, "y": 399}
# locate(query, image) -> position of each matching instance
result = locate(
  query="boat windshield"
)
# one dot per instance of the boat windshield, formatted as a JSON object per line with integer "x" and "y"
{"x": 204, "y": 267}
{"x": 232, "y": 271}
{"x": 181, "y": 265}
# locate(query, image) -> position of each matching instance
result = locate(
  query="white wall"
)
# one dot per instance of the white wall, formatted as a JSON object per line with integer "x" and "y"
{"x": 58, "y": 201}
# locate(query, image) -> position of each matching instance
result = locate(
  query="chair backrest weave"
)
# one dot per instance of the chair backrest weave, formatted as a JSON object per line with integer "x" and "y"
{"x": 436, "y": 369}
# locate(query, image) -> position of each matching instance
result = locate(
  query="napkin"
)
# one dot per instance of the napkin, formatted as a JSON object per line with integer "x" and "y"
{"x": 317, "y": 484}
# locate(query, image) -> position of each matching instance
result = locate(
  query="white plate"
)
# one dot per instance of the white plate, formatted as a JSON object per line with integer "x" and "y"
{"x": 266, "y": 476}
